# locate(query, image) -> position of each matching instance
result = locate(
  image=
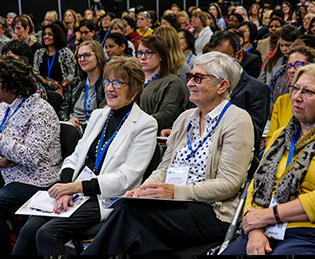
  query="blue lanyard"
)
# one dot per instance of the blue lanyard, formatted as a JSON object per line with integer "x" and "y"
{"x": 6, "y": 119}
{"x": 193, "y": 152}
{"x": 101, "y": 153}
{"x": 104, "y": 37}
{"x": 87, "y": 109}
{"x": 190, "y": 58}
{"x": 50, "y": 64}
{"x": 152, "y": 78}
{"x": 292, "y": 146}
{"x": 29, "y": 40}
{"x": 249, "y": 49}
{"x": 144, "y": 32}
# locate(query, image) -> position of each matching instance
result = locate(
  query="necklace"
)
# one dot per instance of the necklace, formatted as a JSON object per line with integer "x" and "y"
{"x": 105, "y": 130}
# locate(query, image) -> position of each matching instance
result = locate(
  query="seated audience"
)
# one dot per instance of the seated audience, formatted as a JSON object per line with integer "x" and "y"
{"x": 29, "y": 141}
{"x": 117, "y": 45}
{"x": 183, "y": 20}
{"x": 104, "y": 27}
{"x": 131, "y": 34}
{"x": 234, "y": 20}
{"x": 87, "y": 30}
{"x": 187, "y": 45}
{"x": 249, "y": 94}
{"x": 274, "y": 67}
{"x": 163, "y": 96}
{"x": 20, "y": 50}
{"x": 215, "y": 9}
{"x": 269, "y": 44}
{"x": 86, "y": 92}
{"x": 251, "y": 63}
{"x": 71, "y": 23}
{"x": 54, "y": 64}
{"x": 178, "y": 63}
{"x": 202, "y": 32}
{"x": 143, "y": 21}
{"x": 120, "y": 26}
{"x": 208, "y": 150}
{"x": 282, "y": 111}
{"x": 249, "y": 30}
{"x": 117, "y": 146}
{"x": 170, "y": 20}
{"x": 279, "y": 214}
{"x": 23, "y": 28}
{"x": 3, "y": 29}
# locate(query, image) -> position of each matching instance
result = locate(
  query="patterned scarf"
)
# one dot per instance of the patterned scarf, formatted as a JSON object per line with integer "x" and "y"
{"x": 288, "y": 187}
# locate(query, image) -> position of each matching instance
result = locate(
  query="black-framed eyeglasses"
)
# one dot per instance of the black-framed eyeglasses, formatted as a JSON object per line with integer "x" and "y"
{"x": 85, "y": 55}
{"x": 197, "y": 77}
{"x": 147, "y": 54}
{"x": 297, "y": 64}
{"x": 115, "y": 83}
{"x": 306, "y": 93}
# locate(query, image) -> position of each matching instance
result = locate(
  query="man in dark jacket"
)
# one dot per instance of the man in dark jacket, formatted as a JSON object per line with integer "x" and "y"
{"x": 249, "y": 94}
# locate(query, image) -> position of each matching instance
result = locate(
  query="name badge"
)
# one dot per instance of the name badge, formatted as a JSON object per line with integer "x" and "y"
{"x": 85, "y": 175}
{"x": 177, "y": 175}
{"x": 276, "y": 231}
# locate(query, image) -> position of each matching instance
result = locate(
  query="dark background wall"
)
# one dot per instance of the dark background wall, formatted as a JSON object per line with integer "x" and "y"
{"x": 39, "y": 7}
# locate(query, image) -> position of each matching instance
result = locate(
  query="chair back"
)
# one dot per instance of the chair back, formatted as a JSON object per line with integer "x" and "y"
{"x": 69, "y": 137}
{"x": 155, "y": 161}
{"x": 54, "y": 99}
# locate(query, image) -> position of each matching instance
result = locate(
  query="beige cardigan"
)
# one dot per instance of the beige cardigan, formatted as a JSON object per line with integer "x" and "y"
{"x": 230, "y": 154}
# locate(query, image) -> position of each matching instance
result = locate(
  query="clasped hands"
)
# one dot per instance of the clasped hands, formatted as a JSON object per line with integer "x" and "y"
{"x": 153, "y": 190}
{"x": 254, "y": 223}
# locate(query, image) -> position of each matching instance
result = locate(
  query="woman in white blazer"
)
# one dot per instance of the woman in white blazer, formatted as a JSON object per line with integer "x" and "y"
{"x": 117, "y": 146}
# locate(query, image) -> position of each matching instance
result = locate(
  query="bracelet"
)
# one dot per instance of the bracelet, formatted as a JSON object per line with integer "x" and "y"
{"x": 276, "y": 214}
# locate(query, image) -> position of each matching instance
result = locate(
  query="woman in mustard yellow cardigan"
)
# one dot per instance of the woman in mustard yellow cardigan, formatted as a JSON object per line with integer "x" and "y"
{"x": 280, "y": 207}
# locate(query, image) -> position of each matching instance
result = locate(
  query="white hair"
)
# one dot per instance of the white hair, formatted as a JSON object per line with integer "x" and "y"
{"x": 222, "y": 66}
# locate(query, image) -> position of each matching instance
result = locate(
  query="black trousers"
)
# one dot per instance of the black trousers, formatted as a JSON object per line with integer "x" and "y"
{"x": 12, "y": 196}
{"x": 156, "y": 227}
{"x": 47, "y": 236}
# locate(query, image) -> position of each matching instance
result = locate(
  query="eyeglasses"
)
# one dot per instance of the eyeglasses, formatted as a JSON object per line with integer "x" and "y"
{"x": 84, "y": 32}
{"x": 296, "y": 65}
{"x": 115, "y": 83}
{"x": 147, "y": 54}
{"x": 197, "y": 77}
{"x": 85, "y": 55}
{"x": 304, "y": 92}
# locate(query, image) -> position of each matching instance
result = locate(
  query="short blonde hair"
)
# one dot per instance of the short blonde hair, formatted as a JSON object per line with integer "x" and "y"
{"x": 183, "y": 13}
{"x": 53, "y": 14}
{"x": 121, "y": 23}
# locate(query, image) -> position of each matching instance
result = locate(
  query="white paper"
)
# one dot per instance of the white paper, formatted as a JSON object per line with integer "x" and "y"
{"x": 85, "y": 175}
{"x": 25, "y": 209}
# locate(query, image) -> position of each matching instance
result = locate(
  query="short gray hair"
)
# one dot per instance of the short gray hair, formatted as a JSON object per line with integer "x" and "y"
{"x": 222, "y": 66}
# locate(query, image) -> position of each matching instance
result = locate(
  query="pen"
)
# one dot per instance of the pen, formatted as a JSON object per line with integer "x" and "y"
{"x": 74, "y": 198}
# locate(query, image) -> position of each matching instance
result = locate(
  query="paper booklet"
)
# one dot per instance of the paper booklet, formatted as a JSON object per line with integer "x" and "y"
{"x": 40, "y": 204}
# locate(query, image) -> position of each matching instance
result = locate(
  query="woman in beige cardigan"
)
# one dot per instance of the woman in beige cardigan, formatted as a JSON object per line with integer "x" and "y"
{"x": 205, "y": 164}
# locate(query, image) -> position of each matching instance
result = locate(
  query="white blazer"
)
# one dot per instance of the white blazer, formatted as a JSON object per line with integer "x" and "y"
{"x": 127, "y": 157}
